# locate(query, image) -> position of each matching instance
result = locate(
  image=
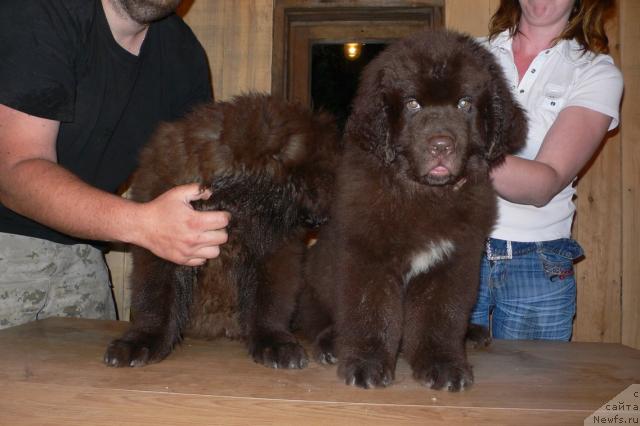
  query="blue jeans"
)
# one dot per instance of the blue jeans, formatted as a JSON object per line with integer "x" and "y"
{"x": 528, "y": 291}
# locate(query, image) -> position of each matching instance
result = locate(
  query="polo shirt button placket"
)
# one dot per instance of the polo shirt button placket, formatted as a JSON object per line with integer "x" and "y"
{"x": 530, "y": 76}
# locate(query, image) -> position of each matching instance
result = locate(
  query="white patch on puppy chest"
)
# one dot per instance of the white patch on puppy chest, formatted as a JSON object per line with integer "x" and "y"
{"x": 435, "y": 252}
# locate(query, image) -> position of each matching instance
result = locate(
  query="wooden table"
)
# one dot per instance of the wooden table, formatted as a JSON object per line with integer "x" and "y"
{"x": 51, "y": 372}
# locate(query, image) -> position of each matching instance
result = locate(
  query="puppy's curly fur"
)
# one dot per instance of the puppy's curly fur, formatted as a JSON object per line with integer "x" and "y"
{"x": 397, "y": 268}
{"x": 271, "y": 165}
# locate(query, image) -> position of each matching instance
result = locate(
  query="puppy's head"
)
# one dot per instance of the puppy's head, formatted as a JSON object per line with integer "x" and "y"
{"x": 437, "y": 107}
{"x": 316, "y": 176}
{"x": 302, "y": 152}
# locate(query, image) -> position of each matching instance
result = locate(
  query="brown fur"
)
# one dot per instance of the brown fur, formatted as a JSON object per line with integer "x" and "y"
{"x": 270, "y": 164}
{"x": 397, "y": 267}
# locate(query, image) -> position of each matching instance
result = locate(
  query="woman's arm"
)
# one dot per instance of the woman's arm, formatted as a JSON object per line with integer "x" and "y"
{"x": 569, "y": 144}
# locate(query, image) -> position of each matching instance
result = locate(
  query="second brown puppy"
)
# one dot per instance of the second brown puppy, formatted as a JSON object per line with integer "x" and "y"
{"x": 396, "y": 270}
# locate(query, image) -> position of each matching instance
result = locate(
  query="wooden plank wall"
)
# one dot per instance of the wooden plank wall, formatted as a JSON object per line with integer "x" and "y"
{"x": 237, "y": 35}
{"x": 599, "y": 199}
{"x": 470, "y": 16}
{"x": 629, "y": 14}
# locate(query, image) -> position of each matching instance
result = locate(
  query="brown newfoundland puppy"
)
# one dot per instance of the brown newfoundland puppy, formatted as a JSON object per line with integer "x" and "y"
{"x": 271, "y": 165}
{"x": 397, "y": 267}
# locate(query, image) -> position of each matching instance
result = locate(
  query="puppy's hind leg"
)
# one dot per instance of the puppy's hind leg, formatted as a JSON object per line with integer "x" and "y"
{"x": 325, "y": 352}
{"x": 271, "y": 341}
{"x": 161, "y": 295}
{"x": 478, "y": 336}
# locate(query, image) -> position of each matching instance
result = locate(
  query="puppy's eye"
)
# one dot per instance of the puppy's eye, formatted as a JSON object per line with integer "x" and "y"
{"x": 413, "y": 105}
{"x": 464, "y": 103}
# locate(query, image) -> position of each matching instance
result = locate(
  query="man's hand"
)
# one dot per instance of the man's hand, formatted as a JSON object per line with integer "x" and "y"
{"x": 173, "y": 230}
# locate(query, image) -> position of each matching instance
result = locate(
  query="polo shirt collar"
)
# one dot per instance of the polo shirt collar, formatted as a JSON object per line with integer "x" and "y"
{"x": 569, "y": 49}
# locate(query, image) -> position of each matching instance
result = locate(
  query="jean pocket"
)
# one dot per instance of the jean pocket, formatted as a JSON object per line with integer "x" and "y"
{"x": 558, "y": 256}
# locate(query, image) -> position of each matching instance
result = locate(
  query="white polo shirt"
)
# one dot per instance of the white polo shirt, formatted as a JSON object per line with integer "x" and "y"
{"x": 559, "y": 77}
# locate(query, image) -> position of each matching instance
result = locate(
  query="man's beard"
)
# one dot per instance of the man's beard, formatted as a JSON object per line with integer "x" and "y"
{"x": 147, "y": 11}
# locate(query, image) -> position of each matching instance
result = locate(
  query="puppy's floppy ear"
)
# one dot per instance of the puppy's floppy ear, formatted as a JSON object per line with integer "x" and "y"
{"x": 505, "y": 121}
{"x": 369, "y": 124}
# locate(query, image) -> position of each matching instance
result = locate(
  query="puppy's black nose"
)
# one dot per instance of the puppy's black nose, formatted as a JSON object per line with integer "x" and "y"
{"x": 441, "y": 145}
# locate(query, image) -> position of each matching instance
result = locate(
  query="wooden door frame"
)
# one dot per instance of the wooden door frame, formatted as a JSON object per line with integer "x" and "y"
{"x": 361, "y": 19}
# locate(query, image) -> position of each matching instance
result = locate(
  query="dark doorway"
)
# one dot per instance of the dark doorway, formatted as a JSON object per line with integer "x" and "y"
{"x": 305, "y": 31}
{"x": 334, "y": 77}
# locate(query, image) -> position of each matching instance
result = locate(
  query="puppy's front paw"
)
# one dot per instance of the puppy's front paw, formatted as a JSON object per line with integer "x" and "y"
{"x": 278, "y": 353}
{"x": 135, "y": 352}
{"x": 366, "y": 373}
{"x": 450, "y": 375}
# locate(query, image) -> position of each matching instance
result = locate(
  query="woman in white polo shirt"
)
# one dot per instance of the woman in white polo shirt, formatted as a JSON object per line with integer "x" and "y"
{"x": 553, "y": 53}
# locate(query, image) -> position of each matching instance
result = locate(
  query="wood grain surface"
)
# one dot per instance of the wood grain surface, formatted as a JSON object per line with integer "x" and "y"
{"x": 52, "y": 373}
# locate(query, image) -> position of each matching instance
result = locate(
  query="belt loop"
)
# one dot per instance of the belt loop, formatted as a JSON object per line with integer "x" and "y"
{"x": 492, "y": 256}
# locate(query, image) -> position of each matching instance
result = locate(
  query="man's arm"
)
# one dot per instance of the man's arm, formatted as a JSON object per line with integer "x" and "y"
{"x": 34, "y": 185}
{"x": 567, "y": 147}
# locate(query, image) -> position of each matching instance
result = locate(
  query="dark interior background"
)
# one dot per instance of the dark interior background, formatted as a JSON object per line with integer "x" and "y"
{"x": 334, "y": 78}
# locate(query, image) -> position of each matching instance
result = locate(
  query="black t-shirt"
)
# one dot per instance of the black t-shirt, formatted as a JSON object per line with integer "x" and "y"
{"x": 59, "y": 60}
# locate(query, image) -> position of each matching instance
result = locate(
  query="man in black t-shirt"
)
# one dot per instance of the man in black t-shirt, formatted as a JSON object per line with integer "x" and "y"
{"x": 83, "y": 83}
